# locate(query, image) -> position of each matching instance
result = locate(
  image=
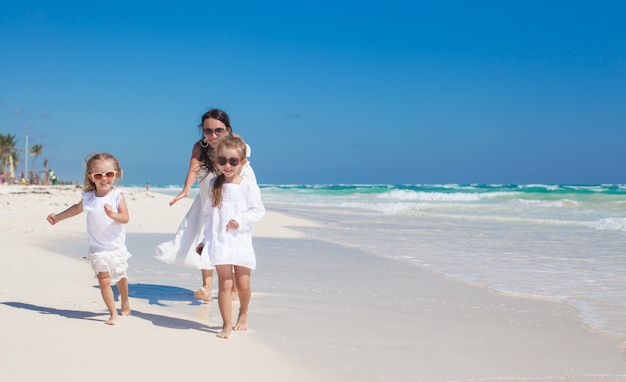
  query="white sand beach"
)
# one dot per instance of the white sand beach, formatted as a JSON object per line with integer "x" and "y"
{"x": 319, "y": 312}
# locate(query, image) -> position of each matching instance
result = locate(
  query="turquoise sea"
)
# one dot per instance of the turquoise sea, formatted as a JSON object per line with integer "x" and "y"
{"x": 541, "y": 241}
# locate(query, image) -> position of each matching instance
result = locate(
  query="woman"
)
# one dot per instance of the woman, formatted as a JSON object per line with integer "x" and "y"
{"x": 181, "y": 250}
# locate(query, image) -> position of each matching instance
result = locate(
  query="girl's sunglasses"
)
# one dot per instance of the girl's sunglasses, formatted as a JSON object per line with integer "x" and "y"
{"x": 231, "y": 161}
{"x": 100, "y": 175}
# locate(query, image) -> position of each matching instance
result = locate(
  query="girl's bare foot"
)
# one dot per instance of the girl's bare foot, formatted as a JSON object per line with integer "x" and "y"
{"x": 203, "y": 294}
{"x": 112, "y": 320}
{"x": 225, "y": 333}
{"x": 126, "y": 308}
{"x": 242, "y": 322}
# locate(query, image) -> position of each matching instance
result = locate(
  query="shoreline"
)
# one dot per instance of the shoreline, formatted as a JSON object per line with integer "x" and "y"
{"x": 318, "y": 310}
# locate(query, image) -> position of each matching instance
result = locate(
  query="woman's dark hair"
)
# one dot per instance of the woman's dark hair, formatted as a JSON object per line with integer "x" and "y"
{"x": 218, "y": 114}
{"x": 207, "y": 152}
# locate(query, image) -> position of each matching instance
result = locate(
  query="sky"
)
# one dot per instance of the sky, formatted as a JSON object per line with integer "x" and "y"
{"x": 325, "y": 92}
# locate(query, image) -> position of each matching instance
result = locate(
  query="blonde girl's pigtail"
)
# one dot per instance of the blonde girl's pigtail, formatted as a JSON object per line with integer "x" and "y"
{"x": 88, "y": 184}
{"x": 216, "y": 191}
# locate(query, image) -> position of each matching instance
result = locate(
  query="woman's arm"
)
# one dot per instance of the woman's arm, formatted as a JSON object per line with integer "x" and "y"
{"x": 192, "y": 173}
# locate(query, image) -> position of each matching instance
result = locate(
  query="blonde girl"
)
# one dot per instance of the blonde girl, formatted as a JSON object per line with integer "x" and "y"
{"x": 233, "y": 206}
{"x": 107, "y": 214}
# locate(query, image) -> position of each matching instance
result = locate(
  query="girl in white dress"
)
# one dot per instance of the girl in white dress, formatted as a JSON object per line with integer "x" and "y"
{"x": 107, "y": 215}
{"x": 233, "y": 208}
{"x": 181, "y": 250}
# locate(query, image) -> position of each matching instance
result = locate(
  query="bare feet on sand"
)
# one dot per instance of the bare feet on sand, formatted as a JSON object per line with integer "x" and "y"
{"x": 242, "y": 323}
{"x": 203, "y": 294}
{"x": 225, "y": 333}
{"x": 240, "y": 326}
{"x": 112, "y": 320}
{"x": 126, "y": 309}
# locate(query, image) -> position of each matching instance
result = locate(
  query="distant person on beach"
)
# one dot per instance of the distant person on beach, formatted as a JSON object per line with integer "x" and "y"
{"x": 107, "y": 215}
{"x": 234, "y": 206}
{"x": 181, "y": 250}
{"x": 53, "y": 177}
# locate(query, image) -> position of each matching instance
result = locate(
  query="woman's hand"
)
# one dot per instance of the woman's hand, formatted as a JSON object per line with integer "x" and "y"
{"x": 183, "y": 194}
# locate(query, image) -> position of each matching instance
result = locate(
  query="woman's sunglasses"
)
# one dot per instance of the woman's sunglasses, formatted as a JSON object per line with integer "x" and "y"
{"x": 231, "y": 161}
{"x": 100, "y": 175}
{"x": 218, "y": 131}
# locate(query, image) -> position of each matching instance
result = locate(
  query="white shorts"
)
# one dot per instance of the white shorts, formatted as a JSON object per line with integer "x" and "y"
{"x": 113, "y": 261}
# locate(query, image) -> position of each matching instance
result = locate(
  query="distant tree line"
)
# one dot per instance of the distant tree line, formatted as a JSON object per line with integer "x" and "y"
{"x": 10, "y": 158}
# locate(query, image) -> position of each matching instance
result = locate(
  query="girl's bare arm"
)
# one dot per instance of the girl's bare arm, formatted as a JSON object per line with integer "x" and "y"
{"x": 121, "y": 216}
{"x": 68, "y": 213}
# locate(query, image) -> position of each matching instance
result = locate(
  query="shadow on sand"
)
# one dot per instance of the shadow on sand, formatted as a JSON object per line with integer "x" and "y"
{"x": 74, "y": 314}
{"x": 158, "y": 294}
{"x": 155, "y": 294}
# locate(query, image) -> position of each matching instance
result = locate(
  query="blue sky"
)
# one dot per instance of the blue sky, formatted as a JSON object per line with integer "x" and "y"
{"x": 326, "y": 91}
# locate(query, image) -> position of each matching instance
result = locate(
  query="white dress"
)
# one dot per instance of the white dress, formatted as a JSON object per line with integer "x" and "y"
{"x": 107, "y": 238}
{"x": 242, "y": 203}
{"x": 181, "y": 250}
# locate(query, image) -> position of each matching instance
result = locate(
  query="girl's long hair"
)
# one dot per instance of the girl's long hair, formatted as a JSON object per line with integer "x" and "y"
{"x": 226, "y": 142}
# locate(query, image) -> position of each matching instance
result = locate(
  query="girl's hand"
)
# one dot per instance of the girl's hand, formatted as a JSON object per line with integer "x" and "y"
{"x": 232, "y": 224}
{"x": 108, "y": 210}
{"x": 52, "y": 219}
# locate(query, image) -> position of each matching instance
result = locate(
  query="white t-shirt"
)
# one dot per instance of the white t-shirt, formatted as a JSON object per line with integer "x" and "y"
{"x": 104, "y": 232}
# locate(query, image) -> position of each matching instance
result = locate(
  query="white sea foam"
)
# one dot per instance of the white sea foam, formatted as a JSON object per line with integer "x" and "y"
{"x": 549, "y": 203}
{"x": 438, "y": 196}
{"x": 609, "y": 224}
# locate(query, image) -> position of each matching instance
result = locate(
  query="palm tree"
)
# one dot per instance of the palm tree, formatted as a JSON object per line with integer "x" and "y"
{"x": 9, "y": 157}
{"x": 35, "y": 150}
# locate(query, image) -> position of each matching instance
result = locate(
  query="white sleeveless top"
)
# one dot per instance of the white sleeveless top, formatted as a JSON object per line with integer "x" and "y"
{"x": 104, "y": 232}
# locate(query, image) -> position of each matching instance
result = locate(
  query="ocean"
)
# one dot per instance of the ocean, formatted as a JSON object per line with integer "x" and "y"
{"x": 560, "y": 242}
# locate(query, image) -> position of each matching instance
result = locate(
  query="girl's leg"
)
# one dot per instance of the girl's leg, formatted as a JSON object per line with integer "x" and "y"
{"x": 224, "y": 298}
{"x": 242, "y": 278}
{"x": 204, "y": 293}
{"x": 104, "y": 280}
{"x": 234, "y": 290}
{"x": 122, "y": 286}
{"x": 207, "y": 280}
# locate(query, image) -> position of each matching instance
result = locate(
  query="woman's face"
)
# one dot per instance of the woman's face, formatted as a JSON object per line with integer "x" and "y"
{"x": 212, "y": 129}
